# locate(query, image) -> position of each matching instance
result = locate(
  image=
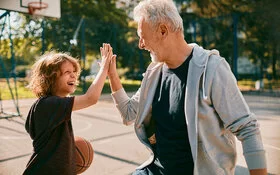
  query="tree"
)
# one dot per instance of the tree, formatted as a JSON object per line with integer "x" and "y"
{"x": 258, "y": 22}
{"x": 104, "y": 22}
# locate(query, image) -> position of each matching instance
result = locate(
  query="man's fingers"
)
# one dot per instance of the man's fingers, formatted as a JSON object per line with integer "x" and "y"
{"x": 113, "y": 60}
{"x": 114, "y": 57}
{"x": 101, "y": 51}
{"x": 110, "y": 54}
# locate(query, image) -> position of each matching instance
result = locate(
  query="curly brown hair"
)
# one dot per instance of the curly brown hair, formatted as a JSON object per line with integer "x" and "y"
{"x": 46, "y": 70}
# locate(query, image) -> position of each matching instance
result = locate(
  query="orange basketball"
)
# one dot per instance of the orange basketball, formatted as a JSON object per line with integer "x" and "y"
{"x": 84, "y": 154}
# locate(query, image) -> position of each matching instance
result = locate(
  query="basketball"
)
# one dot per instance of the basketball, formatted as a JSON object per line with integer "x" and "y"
{"x": 84, "y": 154}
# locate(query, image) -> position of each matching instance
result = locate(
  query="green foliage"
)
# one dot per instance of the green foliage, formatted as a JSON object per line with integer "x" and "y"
{"x": 110, "y": 21}
{"x": 248, "y": 84}
{"x": 20, "y": 91}
{"x": 23, "y": 92}
{"x": 258, "y": 28}
{"x": 128, "y": 85}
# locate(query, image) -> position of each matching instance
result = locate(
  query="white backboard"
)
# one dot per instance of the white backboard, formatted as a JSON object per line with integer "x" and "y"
{"x": 53, "y": 9}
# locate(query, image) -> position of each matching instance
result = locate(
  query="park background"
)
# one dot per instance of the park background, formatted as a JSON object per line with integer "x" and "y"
{"x": 245, "y": 32}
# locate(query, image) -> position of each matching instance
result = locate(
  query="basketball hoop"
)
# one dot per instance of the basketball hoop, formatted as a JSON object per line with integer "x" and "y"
{"x": 33, "y": 6}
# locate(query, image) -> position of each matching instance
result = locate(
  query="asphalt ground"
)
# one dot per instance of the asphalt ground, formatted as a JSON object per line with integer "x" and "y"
{"x": 117, "y": 149}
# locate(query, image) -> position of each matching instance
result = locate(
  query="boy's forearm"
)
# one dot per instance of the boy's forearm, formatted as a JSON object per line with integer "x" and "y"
{"x": 93, "y": 93}
{"x": 95, "y": 89}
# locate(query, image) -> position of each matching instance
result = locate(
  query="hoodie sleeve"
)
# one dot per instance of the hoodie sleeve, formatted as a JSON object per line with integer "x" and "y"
{"x": 127, "y": 106}
{"x": 236, "y": 116}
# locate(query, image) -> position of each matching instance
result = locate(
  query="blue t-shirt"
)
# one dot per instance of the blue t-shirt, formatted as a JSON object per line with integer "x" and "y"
{"x": 172, "y": 147}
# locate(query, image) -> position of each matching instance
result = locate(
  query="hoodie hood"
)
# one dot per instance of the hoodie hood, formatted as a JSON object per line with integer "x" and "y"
{"x": 200, "y": 59}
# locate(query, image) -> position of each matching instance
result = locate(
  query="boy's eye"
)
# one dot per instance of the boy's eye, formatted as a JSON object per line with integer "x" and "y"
{"x": 67, "y": 72}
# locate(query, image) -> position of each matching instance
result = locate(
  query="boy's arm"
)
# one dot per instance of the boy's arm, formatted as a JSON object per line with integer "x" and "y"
{"x": 94, "y": 91}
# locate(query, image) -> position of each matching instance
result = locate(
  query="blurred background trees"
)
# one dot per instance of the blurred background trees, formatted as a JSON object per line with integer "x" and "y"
{"x": 237, "y": 28}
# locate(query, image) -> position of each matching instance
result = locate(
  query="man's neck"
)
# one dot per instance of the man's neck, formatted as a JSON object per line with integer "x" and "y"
{"x": 178, "y": 52}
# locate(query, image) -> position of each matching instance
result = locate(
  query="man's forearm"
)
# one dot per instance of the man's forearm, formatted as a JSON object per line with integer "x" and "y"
{"x": 115, "y": 83}
{"x": 258, "y": 172}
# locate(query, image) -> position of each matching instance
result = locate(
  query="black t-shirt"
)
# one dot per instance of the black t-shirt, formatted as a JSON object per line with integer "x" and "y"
{"x": 172, "y": 147}
{"x": 49, "y": 125}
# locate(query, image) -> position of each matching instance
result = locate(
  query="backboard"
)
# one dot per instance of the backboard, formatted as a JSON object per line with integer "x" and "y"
{"x": 52, "y": 7}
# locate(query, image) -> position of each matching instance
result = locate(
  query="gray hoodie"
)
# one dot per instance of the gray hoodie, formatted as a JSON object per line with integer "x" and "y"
{"x": 215, "y": 112}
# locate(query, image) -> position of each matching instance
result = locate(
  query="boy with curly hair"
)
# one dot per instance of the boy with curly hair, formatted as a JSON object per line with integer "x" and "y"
{"x": 54, "y": 78}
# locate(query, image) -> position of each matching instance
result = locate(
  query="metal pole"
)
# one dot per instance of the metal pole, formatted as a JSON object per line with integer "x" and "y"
{"x": 13, "y": 64}
{"x": 74, "y": 40}
{"x": 194, "y": 30}
{"x": 43, "y": 37}
{"x": 83, "y": 55}
{"x": 235, "y": 44}
{"x": 13, "y": 72}
{"x": 114, "y": 37}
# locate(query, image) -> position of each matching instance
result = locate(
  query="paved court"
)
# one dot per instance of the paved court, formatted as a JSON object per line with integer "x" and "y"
{"x": 117, "y": 150}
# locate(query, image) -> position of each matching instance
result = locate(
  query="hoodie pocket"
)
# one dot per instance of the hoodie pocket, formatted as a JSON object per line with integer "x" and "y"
{"x": 205, "y": 164}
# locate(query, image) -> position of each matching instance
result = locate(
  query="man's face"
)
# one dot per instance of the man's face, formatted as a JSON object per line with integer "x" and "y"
{"x": 148, "y": 39}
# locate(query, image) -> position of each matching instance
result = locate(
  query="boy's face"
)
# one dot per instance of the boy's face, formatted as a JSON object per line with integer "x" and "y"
{"x": 66, "y": 80}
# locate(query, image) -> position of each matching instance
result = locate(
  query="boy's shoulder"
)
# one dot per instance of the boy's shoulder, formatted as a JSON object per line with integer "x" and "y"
{"x": 52, "y": 101}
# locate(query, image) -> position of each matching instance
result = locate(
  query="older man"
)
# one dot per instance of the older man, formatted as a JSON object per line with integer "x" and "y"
{"x": 188, "y": 108}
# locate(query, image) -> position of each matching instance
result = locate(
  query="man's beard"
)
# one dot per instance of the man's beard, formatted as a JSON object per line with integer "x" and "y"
{"x": 154, "y": 58}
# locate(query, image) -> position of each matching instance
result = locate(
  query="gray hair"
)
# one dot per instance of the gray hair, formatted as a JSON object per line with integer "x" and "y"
{"x": 158, "y": 11}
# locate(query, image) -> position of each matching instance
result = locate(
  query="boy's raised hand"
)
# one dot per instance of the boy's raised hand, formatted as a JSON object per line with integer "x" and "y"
{"x": 106, "y": 56}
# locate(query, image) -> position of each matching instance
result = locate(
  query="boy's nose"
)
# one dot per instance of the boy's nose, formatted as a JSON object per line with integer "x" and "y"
{"x": 73, "y": 74}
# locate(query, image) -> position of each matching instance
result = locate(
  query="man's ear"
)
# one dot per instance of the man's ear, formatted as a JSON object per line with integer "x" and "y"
{"x": 163, "y": 30}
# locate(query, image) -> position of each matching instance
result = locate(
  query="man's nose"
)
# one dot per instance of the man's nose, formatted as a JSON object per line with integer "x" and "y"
{"x": 141, "y": 45}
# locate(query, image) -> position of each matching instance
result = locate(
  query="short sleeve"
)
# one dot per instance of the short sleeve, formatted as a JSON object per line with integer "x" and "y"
{"x": 55, "y": 109}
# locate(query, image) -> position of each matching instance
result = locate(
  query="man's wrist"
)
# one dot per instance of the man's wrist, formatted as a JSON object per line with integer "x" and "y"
{"x": 258, "y": 171}
{"x": 113, "y": 76}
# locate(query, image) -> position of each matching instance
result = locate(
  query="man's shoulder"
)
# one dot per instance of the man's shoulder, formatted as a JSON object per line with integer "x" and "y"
{"x": 214, "y": 60}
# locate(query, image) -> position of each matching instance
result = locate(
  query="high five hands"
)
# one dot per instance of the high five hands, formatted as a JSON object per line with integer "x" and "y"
{"x": 106, "y": 56}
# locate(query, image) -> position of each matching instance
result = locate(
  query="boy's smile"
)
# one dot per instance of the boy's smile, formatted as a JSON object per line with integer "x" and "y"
{"x": 66, "y": 80}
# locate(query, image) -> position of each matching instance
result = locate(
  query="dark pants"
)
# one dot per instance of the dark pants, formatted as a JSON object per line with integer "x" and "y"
{"x": 154, "y": 168}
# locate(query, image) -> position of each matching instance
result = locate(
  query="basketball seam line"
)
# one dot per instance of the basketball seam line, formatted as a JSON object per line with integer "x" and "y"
{"x": 81, "y": 155}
